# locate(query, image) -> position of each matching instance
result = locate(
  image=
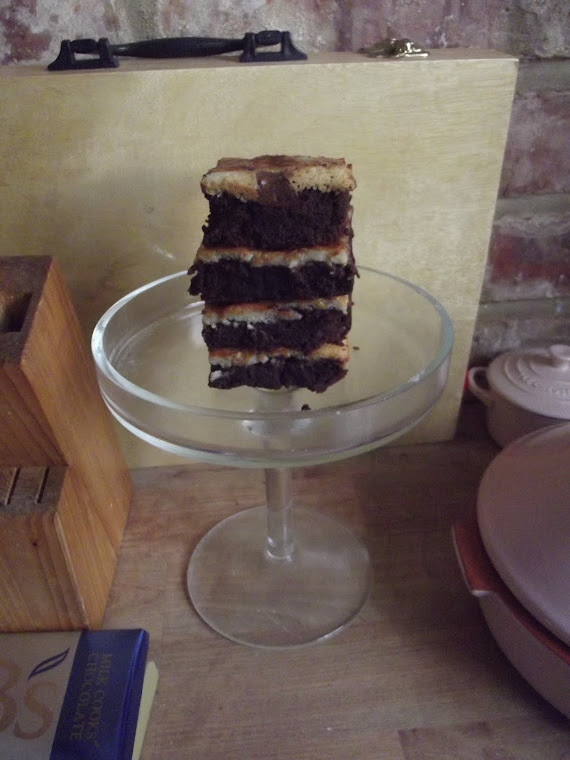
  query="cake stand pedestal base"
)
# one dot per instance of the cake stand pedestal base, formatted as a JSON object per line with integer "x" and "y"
{"x": 246, "y": 593}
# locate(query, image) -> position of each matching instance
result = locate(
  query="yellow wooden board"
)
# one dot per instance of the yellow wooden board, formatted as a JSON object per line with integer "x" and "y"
{"x": 101, "y": 169}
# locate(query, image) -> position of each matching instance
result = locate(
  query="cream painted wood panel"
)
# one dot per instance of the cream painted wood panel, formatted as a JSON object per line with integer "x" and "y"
{"x": 101, "y": 169}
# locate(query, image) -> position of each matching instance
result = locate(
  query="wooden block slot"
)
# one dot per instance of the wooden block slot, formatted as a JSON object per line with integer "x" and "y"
{"x": 64, "y": 486}
{"x": 24, "y": 489}
{"x": 13, "y": 310}
{"x": 36, "y": 578}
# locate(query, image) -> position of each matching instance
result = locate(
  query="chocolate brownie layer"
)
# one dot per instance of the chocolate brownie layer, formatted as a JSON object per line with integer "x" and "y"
{"x": 291, "y": 220}
{"x": 279, "y": 367}
{"x": 315, "y": 374}
{"x": 233, "y": 281}
{"x": 301, "y": 327}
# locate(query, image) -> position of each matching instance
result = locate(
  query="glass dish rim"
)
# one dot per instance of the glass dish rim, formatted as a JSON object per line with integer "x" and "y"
{"x": 108, "y": 370}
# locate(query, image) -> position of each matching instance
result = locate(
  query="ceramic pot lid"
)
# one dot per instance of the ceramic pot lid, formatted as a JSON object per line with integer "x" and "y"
{"x": 523, "y": 510}
{"x": 537, "y": 379}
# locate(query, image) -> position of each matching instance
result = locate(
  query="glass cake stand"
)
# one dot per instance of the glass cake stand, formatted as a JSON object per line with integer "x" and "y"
{"x": 271, "y": 575}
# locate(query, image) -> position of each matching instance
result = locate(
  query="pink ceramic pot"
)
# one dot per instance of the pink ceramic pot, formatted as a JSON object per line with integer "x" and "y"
{"x": 524, "y": 391}
{"x": 516, "y": 558}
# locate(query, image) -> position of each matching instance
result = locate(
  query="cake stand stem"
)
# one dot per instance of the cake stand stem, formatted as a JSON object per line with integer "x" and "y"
{"x": 278, "y": 576}
{"x": 278, "y": 488}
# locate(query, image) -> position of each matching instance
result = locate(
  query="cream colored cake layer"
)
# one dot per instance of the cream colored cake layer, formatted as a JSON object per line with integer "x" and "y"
{"x": 228, "y": 357}
{"x": 269, "y": 311}
{"x": 244, "y": 178}
{"x": 338, "y": 253}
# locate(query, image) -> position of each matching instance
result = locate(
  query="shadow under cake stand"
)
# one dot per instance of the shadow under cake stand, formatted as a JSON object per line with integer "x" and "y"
{"x": 271, "y": 575}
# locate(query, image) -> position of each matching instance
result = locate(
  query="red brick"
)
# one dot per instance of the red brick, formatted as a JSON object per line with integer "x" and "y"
{"x": 530, "y": 265}
{"x": 529, "y": 254}
{"x": 505, "y": 326}
{"x": 30, "y": 31}
{"x": 537, "y": 155}
{"x": 22, "y": 43}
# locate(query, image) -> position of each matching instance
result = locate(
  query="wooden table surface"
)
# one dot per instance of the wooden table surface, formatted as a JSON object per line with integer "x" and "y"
{"x": 417, "y": 676}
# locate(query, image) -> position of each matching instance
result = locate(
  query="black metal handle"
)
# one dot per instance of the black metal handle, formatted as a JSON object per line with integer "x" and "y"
{"x": 103, "y": 55}
{"x": 189, "y": 47}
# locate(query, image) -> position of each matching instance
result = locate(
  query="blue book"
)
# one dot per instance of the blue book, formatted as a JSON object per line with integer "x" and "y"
{"x": 72, "y": 695}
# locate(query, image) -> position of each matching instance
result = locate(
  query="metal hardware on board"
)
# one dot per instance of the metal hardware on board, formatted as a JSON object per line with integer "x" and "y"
{"x": 100, "y": 50}
{"x": 288, "y": 51}
{"x": 102, "y": 55}
{"x": 394, "y": 48}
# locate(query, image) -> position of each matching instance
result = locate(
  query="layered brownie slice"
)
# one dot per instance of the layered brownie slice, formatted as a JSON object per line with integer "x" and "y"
{"x": 279, "y": 368}
{"x": 277, "y": 202}
{"x": 276, "y": 271}
{"x": 233, "y": 275}
{"x": 267, "y": 325}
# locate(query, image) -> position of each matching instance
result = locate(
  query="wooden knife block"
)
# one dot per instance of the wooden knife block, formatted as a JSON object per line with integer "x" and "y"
{"x": 64, "y": 486}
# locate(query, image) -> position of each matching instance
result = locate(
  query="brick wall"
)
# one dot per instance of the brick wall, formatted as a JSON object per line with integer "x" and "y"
{"x": 526, "y": 293}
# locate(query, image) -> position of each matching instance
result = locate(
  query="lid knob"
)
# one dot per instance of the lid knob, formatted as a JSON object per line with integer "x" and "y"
{"x": 560, "y": 356}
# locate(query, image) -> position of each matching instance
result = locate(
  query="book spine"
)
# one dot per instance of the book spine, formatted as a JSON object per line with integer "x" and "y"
{"x": 100, "y": 709}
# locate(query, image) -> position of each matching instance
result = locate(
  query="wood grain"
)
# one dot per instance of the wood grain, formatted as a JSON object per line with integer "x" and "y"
{"x": 65, "y": 488}
{"x": 417, "y": 676}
